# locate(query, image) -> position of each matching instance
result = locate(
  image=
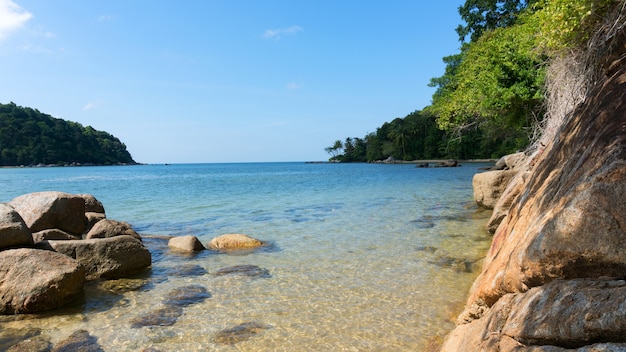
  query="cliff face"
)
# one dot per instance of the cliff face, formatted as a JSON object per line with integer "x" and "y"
{"x": 554, "y": 277}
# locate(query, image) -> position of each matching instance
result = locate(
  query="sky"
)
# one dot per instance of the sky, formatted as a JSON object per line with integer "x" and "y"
{"x": 198, "y": 81}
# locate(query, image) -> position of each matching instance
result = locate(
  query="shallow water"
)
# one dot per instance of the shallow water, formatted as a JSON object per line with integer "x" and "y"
{"x": 364, "y": 257}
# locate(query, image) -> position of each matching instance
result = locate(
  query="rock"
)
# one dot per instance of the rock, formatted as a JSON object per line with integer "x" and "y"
{"x": 166, "y": 316}
{"x": 52, "y": 210}
{"x": 185, "y": 270}
{"x": 245, "y": 270}
{"x": 174, "y": 302}
{"x": 13, "y": 230}
{"x": 186, "y": 296}
{"x": 110, "y": 228}
{"x": 503, "y": 204}
{"x": 239, "y": 333}
{"x": 33, "y": 344}
{"x": 489, "y": 185}
{"x": 93, "y": 219}
{"x": 186, "y": 243}
{"x": 562, "y": 314}
{"x": 234, "y": 241}
{"x": 80, "y": 340}
{"x": 92, "y": 205}
{"x": 111, "y": 258}
{"x": 33, "y": 280}
{"x": 52, "y": 234}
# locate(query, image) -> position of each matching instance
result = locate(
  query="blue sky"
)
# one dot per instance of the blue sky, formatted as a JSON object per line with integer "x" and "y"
{"x": 225, "y": 80}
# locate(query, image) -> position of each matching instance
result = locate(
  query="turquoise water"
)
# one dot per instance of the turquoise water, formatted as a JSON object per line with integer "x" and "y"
{"x": 364, "y": 257}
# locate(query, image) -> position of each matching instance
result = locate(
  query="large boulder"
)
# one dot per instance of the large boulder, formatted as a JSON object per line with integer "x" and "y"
{"x": 234, "y": 241}
{"x": 53, "y": 234}
{"x": 561, "y": 314}
{"x": 92, "y": 205}
{"x": 107, "y": 228}
{"x": 111, "y": 258}
{"x": 489, "y": 186}
{"x": 13, "y": 230}
{"x": 33, "y": 280}
{"x": 505, "y": 200}
{"x": 52, "y": 210}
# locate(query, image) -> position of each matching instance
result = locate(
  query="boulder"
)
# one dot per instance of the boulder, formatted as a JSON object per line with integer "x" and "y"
{"x": 52, "y": 210}
{"x": 110, "y": 258}
{"x": 92, "y": 205}
{"x": 489, "y": 186}
{"x": 234, "y": 241}
{"x": 186, "y": 243}
{"x": 561, "y": 314}
{"x": 53, "y": 234}
{"x": 34, "y": 280}
{"x": 110, "y": 228}
{"x": 93, "y": 219}
{"x": 13, "y": 230}
{"x": 504, "y": 202}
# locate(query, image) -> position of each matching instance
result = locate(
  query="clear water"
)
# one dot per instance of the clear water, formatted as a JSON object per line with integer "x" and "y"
{"x": 364, "y": 257}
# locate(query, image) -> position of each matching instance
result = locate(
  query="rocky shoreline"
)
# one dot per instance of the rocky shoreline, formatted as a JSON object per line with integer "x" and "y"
{"x": 554, "y": 278}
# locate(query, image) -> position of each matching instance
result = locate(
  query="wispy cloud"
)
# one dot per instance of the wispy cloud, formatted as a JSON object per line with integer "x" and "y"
{"x": 279, "y": 33}
{"x": 90, "y": 105}
{"x": 12, "y": 17}
{"x": 293, "y": 85}
{"x": 105, "y": 18}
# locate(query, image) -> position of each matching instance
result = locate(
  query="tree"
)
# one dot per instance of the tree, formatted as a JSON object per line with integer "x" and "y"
{"x": 481, "y": 16}
{"x": 334, "y": 150}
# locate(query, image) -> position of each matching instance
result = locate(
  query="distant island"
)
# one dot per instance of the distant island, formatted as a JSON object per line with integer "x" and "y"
{"x": 31, "y": 138}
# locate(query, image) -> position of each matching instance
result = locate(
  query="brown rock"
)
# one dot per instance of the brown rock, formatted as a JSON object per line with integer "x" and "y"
{"x": 13, "y": 230}
{"x": 79, "y": 340}
{"x": 112, "y": 258}
{"x": 489, "y": 185}
{"x": 561, "y": 314}
{"x": 33, "y": 280}
{"x": 53, "y": 234}
{"x": 186, "y": 243}
{"x": 93, "y": 219}
{"x": 52, "y": 210}
{"x": 110, "y": 228}
{"x": 504, "y": 202}
{"x": 92, "y": 205}
{"x": 234, "y": 241}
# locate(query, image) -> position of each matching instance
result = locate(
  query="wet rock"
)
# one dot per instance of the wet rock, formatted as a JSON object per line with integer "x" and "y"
{"x": 10, "y": 337}
{"x": 186, "y": 244}
{"x": 427, "y": 249}
{"x": 32, "y": 344}
{"x": 234, "y": 241}
{"x": 115, "y": 257}
{"x": 239, "y": 333}
{"x": 34, "y": 280}
{"x": 81, "y": 341}
{"x": 165, "y": 316}
{"x": 246, "y": 270}
{"x": 13, "y": 229}
{"x": 459, "y": 265}
{"x": 186, "y": 295}
{"x": 110, "y": 228}
{"x": 120, "y": 286}
{"x": 52, "y": 210}
{"x": 185, "y": 270}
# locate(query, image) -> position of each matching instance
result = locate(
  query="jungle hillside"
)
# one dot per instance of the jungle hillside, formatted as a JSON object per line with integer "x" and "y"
{"x": 492, "y": 98}
{"x": 29, "y": 138}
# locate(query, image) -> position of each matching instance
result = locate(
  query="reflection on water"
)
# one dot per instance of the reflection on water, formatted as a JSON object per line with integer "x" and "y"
{"x": 379, "y": 261}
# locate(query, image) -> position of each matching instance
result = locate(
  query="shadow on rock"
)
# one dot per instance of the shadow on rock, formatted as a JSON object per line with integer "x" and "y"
{"x": 239, "y": 333}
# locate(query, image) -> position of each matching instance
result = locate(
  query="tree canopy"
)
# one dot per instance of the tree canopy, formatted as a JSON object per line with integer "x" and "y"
{"x": 29, "y": 137}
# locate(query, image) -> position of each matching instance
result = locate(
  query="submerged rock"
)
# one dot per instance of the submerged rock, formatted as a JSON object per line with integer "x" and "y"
{"x": 246, "y": 270}
{"x": 33, "y": 344}
{"x": 186, "y": 295}
{"x": 165, "y": 316}
{"x": 239, "y": 333}
{"x": 185, "y": 270}
{"x": 80, "y": 340}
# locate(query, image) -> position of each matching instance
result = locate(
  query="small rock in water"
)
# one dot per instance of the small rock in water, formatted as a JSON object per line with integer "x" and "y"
{"x": 247, "y": 270}
{"x": 33, "y": 344}
{"x": 9, "y": 337}
{"x": 123, "y": 285}
{"x": 165, "y": 316}
{"x": 239, "y": 333}
{"x": 427, "y": 249}
{"x": 186, "y": 295}
{"x": 80, "y": 340}
{"x": 459, "y": 265}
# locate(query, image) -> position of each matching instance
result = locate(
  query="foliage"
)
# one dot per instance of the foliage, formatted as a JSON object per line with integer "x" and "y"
{"x": 29, "y": 137}
{"x": 481, "y": 16}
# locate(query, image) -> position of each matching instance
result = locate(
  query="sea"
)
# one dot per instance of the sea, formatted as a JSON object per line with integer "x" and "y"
{"x": 359, "y": 257}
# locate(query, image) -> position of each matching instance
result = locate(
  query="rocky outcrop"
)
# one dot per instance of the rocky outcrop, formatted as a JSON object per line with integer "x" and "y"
{"x": 13, "y": 230}
{"x": 553, "y": 278}
{"x": 33, "y": 280}
{"x": 234, "y": 241}
{"x": 111, "y": 258}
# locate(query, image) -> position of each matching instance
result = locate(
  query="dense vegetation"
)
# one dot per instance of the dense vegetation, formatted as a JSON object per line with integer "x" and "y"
{"x": 29, "y": 137}
{"x": 490, "y": 101}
